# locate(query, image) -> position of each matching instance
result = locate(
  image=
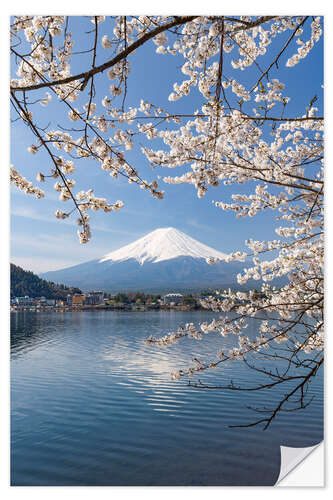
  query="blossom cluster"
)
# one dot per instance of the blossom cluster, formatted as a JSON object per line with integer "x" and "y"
{"x": 305, "y": 47}
{"x": 23, "y": 184}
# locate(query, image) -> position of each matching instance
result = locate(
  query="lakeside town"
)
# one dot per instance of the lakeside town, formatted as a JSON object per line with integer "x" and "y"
{"x": 28, "y": 292}
{"x": 99, "y": 300}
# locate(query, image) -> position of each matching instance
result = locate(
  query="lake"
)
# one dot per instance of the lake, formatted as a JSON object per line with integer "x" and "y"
{"x": 91, "y": 404}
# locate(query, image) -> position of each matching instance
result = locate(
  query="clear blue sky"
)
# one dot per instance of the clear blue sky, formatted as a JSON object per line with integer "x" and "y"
{"x": 40, "y": 242}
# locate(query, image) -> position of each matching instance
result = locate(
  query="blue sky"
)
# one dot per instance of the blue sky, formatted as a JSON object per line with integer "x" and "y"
{"x": 40, "y": 242}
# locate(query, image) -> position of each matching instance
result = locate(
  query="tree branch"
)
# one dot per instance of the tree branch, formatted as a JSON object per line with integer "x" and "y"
{"x": 99, "y": 69}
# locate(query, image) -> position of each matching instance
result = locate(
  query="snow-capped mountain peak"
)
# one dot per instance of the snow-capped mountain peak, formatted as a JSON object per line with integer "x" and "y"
{"x": 163, "y": 260}
{"x": 160, "y": 245}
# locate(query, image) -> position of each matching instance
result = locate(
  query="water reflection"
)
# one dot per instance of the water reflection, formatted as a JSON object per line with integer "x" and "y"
{"x": 92, "y": 404}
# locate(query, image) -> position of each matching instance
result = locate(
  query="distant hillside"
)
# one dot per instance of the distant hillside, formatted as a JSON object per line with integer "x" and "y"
{"x": 27, "y": 283}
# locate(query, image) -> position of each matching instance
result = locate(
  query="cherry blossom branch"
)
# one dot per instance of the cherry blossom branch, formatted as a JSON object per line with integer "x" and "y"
{"x": 85, "y": 76}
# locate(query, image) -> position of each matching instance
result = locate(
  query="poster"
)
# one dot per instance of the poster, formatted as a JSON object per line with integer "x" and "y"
{"x": 166, "y": 249}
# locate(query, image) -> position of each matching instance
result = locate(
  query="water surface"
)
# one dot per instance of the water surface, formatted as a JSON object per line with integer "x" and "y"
{"x": 93, "y": 405}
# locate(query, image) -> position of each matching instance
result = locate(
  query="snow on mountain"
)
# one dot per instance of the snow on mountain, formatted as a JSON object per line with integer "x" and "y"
{"x": 162, "y": 244}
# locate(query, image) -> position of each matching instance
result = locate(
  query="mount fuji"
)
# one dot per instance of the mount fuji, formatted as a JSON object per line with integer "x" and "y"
{"x": 165, "y": 259}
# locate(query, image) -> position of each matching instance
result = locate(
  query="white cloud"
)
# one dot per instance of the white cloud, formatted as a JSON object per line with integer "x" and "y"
{"x": 31, "y": 213}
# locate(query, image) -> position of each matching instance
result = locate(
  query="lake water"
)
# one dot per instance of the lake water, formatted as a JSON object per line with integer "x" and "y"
{"x": 93, "y": 405}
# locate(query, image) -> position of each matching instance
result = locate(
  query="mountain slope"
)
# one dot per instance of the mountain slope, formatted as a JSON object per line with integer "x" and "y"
{"x": 162, "y": 244}
{"x": 27, "y": 283}
{"x": 163, "y": 259}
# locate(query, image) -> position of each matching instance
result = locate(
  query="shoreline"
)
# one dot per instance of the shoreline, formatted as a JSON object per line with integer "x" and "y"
{"x": 106, "y": 308}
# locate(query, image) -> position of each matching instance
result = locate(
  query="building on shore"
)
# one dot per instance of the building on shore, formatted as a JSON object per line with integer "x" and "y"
{"x": 94, "y": 298}
{"x": 78, "y": 299}
{"x": 172, "y": 299}
{"x": 24, "y": 301}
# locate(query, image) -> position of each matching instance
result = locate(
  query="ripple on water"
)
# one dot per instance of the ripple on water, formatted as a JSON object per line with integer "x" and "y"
{"x": 93, "y": 405}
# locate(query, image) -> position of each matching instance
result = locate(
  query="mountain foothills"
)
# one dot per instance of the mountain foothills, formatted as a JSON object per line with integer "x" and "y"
{"x": 165, "y": 259}
{"x": 24, "y": 283}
